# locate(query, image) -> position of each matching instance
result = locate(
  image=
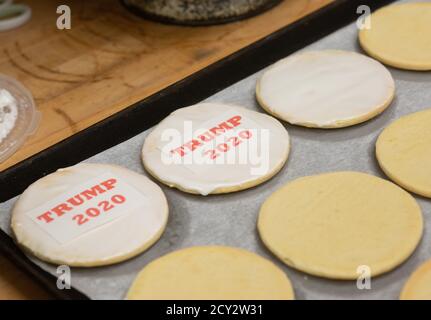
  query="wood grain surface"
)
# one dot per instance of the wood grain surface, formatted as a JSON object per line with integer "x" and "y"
{"x": 111, "y": 59}
{"x": 107, "y": 61}
{"x": 15, "y": 284}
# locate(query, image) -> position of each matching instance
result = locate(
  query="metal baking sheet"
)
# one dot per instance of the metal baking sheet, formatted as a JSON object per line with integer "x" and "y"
{"x": 231, "y": 219}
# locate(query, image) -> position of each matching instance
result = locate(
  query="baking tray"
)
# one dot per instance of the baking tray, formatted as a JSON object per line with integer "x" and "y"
{"x": 230, "y": 219}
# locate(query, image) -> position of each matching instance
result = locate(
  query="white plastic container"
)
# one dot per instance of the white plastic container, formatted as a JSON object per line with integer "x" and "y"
{"x": 19, "y": 117}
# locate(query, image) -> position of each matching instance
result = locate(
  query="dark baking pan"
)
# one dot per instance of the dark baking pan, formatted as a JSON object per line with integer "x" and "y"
{"x": 148, "y": 112}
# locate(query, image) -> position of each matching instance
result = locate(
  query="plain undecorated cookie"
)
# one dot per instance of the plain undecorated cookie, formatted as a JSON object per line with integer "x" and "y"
{"x": 329, "y": 225}
{"x": 403, "y": 151}
{"x": 211, "y": 273}
{"x": 418, "y": 286}
{"x": 400, "y": 36}
{"x": 326, "y": 89}
{"x": 89, "y": 215}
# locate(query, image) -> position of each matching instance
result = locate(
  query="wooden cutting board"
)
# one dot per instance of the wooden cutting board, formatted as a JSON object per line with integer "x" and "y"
{"x": 106, "y": 62}
{"x": 111, "y": 59}
{"x": 14, "y": 284}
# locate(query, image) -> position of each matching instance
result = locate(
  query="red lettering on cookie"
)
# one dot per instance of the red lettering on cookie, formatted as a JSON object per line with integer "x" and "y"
{"x": 179, "y": 150}
{"x": 46, "y": 217}
{"x": 61, "y": 209}
{"x": 76, "y": 200}
{"x": 93, "y": 192}
{"x": 109, "y": 184}
{"x": 207, "y": 136}
{"x": 221, "y": 128}
{"x": 192, "y": 145}
{"x": 235, "y": 121}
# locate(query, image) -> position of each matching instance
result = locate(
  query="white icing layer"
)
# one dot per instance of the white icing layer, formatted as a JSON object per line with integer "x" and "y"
{"x": 248, "y": 161}
{"x": 138, "y": 206}
{"x": 326, "y": 88}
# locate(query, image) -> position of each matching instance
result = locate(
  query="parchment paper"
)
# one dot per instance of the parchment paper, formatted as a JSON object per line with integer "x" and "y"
{"x": 231, "y": 219}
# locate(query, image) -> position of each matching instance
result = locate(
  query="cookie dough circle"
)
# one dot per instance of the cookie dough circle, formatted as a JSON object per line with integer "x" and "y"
{"x": 211, "y": 273}
{"x": 418, "y": 286}
{"x": 399, "y": 36}
{"x": 132, "y": 232}
{"x": 326, "y": 89}
{"x": 403, "y": 151}
{"x": 329, "y": 225}
{"x": 253, "y": 161}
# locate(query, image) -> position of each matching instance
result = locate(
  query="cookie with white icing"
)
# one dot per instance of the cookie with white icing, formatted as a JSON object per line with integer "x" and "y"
{"x": 89, "y": 215}
{"x": 326, "y": 89}
{"x": 214, "y": 148}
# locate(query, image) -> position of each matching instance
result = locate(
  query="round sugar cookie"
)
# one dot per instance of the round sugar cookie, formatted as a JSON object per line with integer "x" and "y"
{"x": 403, "y": 151}
{"x": 329, "y": 225}
{"x": 326, "y": 89}
{"x": 399, "y": 36}
{"x": 211, "y": 273}
{"x": 212, "y": 148}
{"x": 89, "y": 215}
{"x": 418, "y": 286}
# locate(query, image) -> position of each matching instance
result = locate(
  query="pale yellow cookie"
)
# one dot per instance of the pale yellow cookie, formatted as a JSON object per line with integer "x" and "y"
{"x": 329, "y": 225}
{"x": 400, "y": 36}
{"x": 404, "y": 152}
{"x": 418, "y": 286}
{"x": 211, "y": 273}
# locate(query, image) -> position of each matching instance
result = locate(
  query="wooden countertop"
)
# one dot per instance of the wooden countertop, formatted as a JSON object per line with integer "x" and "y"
{"x": 111, "y": 59}
{"x": 14, "y": 284}
{"x": 107, "y": 61}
